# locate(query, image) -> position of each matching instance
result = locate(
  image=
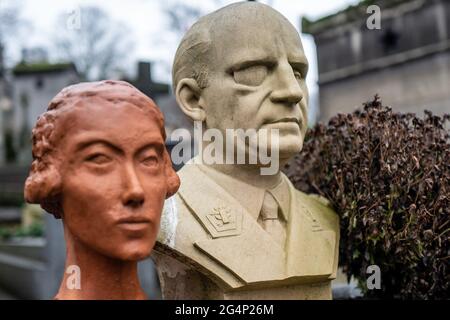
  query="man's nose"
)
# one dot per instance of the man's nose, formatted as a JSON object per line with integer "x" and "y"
{"x": 287, "y": 89}
{"x": 133, "y": 193}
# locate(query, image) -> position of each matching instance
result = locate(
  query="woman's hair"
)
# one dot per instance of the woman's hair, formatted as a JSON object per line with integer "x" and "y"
{"x": 43, "y": 184}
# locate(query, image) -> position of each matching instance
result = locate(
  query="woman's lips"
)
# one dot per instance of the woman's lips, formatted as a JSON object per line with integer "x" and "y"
{"x": 134, "y": 219}
{"x": 134, "y": 223}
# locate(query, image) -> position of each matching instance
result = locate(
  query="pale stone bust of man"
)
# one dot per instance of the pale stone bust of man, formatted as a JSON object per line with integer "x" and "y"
{"x": 231, "y": 232}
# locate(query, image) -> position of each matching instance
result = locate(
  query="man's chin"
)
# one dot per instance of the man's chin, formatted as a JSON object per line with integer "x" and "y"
{"x": 290, "y": 146}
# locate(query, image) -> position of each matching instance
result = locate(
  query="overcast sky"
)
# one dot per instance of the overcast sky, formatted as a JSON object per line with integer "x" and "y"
{"x": 149, "y": 27}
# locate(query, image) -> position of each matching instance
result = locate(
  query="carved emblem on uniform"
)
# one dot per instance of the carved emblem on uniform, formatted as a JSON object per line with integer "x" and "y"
{"x": 225, "y": 220}
{"x": 222, "y": 218}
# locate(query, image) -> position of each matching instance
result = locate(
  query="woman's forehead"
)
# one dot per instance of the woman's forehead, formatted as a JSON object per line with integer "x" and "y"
{"x": 118, "y": 120}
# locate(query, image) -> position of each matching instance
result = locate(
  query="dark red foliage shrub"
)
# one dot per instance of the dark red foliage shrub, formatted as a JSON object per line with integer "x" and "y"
{"x": 387, "y": 174}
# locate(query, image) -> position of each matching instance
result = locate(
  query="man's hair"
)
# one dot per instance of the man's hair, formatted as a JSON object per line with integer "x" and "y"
{"x": 193, "y": 54}
{"x": 43, "y": 184}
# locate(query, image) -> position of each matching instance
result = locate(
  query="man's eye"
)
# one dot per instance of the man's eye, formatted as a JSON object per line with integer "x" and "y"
{"x": 98, "y": 159}
{"x": 298, "y": 75}
{"x": 251, "y": 76}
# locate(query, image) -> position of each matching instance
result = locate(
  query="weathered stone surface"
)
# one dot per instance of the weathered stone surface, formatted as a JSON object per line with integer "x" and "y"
{"x": 222, "y": 237}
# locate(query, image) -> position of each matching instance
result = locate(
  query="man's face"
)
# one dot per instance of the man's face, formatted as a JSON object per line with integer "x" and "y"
{"x": 113, "y": 178}
{"x": 258, "y": 81}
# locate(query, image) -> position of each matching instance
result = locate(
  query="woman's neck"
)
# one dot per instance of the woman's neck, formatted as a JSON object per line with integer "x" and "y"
{"x": 90, "y": 275}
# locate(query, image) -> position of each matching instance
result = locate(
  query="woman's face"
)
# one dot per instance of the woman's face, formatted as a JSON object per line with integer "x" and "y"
{"x": 113, "y": 176}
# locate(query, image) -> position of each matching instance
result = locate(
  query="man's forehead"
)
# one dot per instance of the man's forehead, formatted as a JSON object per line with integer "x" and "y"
{"x": 259, "y": 46}
{"x": 256, "y": 38}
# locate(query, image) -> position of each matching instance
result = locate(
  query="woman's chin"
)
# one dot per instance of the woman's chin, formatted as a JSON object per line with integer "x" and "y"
{"x": 133, "y": 252}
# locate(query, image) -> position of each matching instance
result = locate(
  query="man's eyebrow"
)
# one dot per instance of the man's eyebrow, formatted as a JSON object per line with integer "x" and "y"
{"x": 299, "y": 63}
{"x": 85, "y": 144}
{"x": 246, "y": 63}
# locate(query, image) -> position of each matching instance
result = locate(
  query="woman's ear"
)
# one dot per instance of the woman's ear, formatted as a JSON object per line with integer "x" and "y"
{"x": 188, "y": 95}
{"x": 172, "y": 179}
{"x": 43, "y": 186}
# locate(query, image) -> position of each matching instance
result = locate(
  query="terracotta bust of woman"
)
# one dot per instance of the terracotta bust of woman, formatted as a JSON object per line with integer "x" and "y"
{"x": 100, "y": 164}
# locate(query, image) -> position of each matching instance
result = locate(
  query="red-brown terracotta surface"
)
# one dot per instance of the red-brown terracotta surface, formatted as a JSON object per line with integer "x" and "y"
{"x": 100, "y": 164}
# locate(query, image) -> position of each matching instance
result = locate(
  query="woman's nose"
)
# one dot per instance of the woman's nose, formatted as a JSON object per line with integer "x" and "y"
{"x": 133, "y": 194}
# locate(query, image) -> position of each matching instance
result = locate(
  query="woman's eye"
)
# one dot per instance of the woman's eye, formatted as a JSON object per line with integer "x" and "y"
{"x": 251, "y": 76}
{"x": 98, "y": 159}
{"x": 150, "y": 161}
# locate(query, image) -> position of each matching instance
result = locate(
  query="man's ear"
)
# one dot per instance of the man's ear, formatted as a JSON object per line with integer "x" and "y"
{"x": 188, "y": 95}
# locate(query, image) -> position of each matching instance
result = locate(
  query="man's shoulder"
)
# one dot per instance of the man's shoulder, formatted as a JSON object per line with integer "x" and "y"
{"x": 190, "y": 169}
{"x": 321, "y": 209}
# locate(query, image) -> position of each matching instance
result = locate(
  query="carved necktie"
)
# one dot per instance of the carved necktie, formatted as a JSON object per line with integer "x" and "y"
{"x": 270, "y": 219}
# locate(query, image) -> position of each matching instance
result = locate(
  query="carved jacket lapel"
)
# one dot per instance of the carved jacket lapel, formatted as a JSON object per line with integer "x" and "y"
{"x": 311, "y": 248}
{"x": 240, "y": 245}
{"x": 259, "y": 257}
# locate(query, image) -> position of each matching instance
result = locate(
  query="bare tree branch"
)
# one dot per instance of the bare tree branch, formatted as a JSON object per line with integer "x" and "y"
{"x": 96, "y": 43}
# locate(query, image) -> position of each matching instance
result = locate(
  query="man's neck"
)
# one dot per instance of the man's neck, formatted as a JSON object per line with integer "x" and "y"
{"x": 250, "y": 174}
{"x": 101, "y": 277}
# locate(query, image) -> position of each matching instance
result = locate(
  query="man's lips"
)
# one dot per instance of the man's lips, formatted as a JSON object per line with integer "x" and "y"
{"x": 285, "y": 120}
{"x": 288, "y": 119}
